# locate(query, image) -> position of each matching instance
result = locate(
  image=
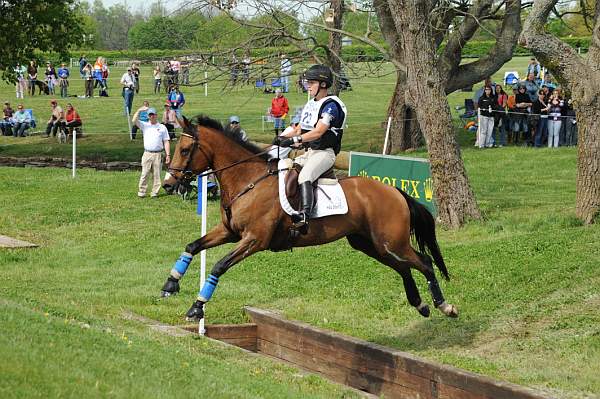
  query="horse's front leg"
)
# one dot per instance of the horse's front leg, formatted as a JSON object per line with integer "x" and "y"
{"x": 217, "y": 236}
{"x": 246, "y": 247}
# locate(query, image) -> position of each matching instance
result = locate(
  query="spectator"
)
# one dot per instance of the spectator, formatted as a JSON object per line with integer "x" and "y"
{"x": 157, "y": 79}
{"x": 511, "y": 105}
{"x": 571, "y": 124}
{"x": 32, "y": 73}
{"x": 142, "y": 115}
{"x": 285, "y": 72}
{"x": 50, "y": 77}
{"x": 486, "y": 83}
{"x": 72, "y": 120}
{"x": 501, "y": 125}
{"x": 532, "y": 87}
{"x": 7, "y": 120}
{"x": 99, "y": 80}
{"x": 176, "y": 99}
{"x": 21, "y": 85}
{"x": 185, "y": 74}
{"x": 22, "y": 121}
{"x": 57, "y": 119}
{"x": 156, "y": 139}
{"x": 88, "y": 76}
{"x": 135, "y": 69}
{"x": 128, "y": 83}
{"x": 82, "y": 63}
{"x": 522, "y": 104}
{"x": 564, "y": 114}
{"x": 175, "y": 69}
{"x": 169, "y": 119}
{"x": 554, "y": 119}
{"x": 486, "y": 104}
{"x": 548, "y": 82}
{"x": 234, "y": 125}
{"x": 234, "y": 69}
{"x": 105, "y": 73}
{"x": 246, "y": 68}
{"x": 535, "y": 68}
{"x": 63, "y": 79}
{"x": 539, "y": 119}
{"x": 279, "y": 110}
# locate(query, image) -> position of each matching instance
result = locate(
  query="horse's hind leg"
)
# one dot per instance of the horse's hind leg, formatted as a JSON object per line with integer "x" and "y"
{"x": 402, "y": 268}
{"x": 423, "y": 263}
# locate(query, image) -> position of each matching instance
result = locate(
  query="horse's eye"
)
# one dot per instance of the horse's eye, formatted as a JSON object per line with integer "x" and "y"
{"x": 185, "y": 151}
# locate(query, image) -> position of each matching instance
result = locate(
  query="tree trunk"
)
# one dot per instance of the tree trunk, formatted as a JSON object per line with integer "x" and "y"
{"x": 588, "y": 163}
{"x": 454, "y": 197}
{"x": 405, "y": 132}
{"x": 334, "y": 52}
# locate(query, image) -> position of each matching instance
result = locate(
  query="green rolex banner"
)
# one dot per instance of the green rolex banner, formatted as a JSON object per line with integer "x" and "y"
{"x": 411, "y": 175}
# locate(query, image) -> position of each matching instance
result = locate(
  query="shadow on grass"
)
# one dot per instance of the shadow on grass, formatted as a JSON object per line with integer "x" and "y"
{"x": 435, "y": 333}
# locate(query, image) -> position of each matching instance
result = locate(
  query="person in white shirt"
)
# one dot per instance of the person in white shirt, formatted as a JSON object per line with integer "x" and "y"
{"x": 128, "y": 82}
{"x": 156, "y": 139}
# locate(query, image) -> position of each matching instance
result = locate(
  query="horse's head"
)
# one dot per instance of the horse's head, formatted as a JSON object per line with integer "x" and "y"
{"x": 189, "y": 158}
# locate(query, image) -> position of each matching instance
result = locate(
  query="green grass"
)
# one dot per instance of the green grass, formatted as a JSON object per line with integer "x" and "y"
{"x": 525, "y": 280}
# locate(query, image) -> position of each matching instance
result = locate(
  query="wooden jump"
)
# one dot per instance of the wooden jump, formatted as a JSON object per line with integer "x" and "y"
{"x": 360, "y": 364}
{"x": 8, "y": 242}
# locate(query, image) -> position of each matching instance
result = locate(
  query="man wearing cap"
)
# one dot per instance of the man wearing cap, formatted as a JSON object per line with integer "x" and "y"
{"x": 156, "y": 139}
{"x": 57, "y": 119}
{"x": 234, "y": 125}
{"x": 279, "y": 110}
{"x": 128, "y": 83}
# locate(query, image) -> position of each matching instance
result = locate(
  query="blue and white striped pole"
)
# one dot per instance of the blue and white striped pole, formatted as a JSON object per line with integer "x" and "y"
{"x": 201, "y": 210}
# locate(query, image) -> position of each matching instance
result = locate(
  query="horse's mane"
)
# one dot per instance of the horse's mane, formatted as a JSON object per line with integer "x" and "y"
{"x": 232, "y": 134}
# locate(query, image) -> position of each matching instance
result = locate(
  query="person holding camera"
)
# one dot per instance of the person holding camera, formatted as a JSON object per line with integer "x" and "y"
{"x": 128, "y": 83}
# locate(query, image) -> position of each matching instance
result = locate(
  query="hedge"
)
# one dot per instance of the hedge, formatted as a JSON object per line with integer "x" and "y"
{"x": 354, "y": 52}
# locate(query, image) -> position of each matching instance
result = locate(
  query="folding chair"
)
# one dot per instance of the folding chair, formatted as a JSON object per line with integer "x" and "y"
{"x": 511, "y": 78}
{"x": 470, "y": 113}
{"x": 259, "y": 84}
{"x": 275, "y": 82}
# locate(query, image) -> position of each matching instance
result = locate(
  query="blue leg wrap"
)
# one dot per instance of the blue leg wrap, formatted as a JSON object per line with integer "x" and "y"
{"x": 181, "y": 265}
{"x": 209, "y": 287}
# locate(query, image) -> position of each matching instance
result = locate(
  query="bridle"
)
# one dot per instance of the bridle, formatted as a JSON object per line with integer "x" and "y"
{"x": 187, "y": 173}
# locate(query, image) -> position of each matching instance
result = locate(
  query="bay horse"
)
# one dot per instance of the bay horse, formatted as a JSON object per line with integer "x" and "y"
{"x": 379, "y": 222}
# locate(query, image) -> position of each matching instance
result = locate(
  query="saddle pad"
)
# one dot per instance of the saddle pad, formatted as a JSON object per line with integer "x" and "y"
{"x": 329, "y": 198}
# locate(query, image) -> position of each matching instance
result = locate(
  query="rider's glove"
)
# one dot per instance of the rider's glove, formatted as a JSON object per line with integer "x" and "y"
{"x": 287, "y": 142}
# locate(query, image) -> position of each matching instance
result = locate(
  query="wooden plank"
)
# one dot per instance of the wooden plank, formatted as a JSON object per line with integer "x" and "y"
{"x": 277, "y": 328}
{"x": 313, "y": 348}
{"x": 337, "y": 373}
{"x": 9, "y": 242}
{"x": 219, "y": 331}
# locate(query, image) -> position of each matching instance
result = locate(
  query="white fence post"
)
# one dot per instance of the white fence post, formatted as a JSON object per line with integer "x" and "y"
{"x": 387, "y": 135}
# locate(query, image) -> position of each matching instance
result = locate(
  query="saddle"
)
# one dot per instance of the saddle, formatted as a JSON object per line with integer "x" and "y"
{"x": 291, "y": 182}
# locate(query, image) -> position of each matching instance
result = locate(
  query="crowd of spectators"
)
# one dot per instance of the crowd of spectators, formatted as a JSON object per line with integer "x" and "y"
{"x": 535, "y": 113}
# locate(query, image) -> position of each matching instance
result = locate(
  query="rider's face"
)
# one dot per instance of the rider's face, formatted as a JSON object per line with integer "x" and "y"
{"x": 313, "y": 87}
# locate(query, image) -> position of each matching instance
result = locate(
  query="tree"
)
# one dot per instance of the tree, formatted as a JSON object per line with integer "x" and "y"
{"x": 164, "y": 33}
{"x": 31, "y": 25}
{"x": 581, "y": 77}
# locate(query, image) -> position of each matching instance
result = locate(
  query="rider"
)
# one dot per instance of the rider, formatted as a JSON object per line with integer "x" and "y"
{"x": 320, "y": 132}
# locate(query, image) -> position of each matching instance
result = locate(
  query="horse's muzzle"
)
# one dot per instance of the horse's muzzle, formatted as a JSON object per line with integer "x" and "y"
{"x": 170, "y": 184}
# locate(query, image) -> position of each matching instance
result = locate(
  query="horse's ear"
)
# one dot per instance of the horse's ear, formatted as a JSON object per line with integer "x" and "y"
{"x": 184, "y": 123}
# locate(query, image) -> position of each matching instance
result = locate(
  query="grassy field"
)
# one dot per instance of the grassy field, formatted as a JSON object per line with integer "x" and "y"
{"x": 525, "y": 279}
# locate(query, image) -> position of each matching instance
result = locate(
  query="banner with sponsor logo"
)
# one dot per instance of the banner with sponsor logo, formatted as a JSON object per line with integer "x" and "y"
{"x": 412, "y": 175}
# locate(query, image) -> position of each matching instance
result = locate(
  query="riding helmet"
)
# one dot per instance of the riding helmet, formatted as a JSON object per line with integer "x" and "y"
{"x": 320, "y": 73}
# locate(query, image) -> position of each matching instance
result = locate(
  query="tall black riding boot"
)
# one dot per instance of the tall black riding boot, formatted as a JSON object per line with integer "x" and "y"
{"x": 306, "y": 203}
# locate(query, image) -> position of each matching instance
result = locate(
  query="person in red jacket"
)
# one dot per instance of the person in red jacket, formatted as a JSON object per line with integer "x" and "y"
{"x": 72, "y": 120}
{"x": 279, "y": 110}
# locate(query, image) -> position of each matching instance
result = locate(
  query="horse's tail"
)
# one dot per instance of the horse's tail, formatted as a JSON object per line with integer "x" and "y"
{"x": 422, "y": 228}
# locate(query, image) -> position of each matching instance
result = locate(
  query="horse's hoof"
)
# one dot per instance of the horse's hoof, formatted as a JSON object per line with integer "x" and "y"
{"x": 171, "y": 287}
{"x": 196, "y": 312}
{"x": 448, "y": 309}
{"x": 423, "y": 309}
